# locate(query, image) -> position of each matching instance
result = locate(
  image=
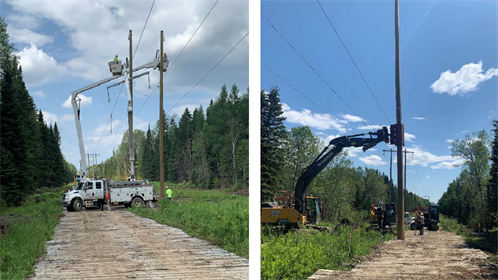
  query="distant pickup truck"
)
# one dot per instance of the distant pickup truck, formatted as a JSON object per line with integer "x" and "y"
{"x": 409, "y": 220}
{"x": 92, "y": 193}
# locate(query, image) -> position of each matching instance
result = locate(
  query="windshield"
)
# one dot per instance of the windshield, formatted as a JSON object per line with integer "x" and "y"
{"x": 80, "y": 186}
{"x": 434, "y": 210}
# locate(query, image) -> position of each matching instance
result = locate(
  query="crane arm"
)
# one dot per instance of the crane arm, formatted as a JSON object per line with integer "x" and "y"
{"x": 328, "y": 154}
{"x": 75, "y": 102}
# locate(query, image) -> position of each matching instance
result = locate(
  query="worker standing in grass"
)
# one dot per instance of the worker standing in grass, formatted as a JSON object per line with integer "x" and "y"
{"x": 169, "y": 192}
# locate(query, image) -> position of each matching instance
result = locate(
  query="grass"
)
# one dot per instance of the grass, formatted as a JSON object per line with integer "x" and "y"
{"x": 32, "y": 225}
{"x": 215, "y": 216}
{"x": 298, "y": 254}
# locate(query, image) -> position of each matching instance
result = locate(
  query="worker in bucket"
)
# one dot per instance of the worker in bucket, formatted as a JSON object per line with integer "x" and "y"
{"x": 168, "y": 193}
{"x": 116, "y": 58}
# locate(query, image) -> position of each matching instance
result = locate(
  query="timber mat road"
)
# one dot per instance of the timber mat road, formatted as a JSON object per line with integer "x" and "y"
{"x": 117, "y": 244}
{"x": 434, "y": 255}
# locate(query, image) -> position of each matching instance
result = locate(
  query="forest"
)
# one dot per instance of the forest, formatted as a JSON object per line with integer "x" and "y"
{"x": 472, "y": 197}
{"x": 202, "y": 149}
{"x": 31, "y": 156}
{"x": 345, "y": 191}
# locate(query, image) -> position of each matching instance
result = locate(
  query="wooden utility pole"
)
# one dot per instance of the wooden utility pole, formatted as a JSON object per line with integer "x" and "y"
{"x": 94, "y": 163}
{"x": 130, "y": 113}
{"x": 400, "y": 131}
{"x": 88, "y": 156}
{"x": 390, "y": 174}
{"x": 161, "y": 120}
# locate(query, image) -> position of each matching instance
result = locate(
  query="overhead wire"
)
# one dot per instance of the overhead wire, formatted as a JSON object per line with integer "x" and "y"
{"x": 196, "y": 83}
{"x": 108, "y": 119}
{"x": 209, "y": 71}
{"x": 178, "y": 56}
{"x": 309, "y": 65}
{"x": 147, "y": 20}
{"x": 354, "y": 62}
{"x": 298, "y": 91}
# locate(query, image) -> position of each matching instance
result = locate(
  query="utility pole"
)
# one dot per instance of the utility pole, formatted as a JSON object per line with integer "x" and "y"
{"x": 95, "y": 166}
{"x": 88, "y": 155}
{"x": 390, "y": 173}
{"x": 400, "y": 131}
{"x": 130, "y": 113}
{"x": 405, "y": 151}
{"x": 161, "y": 120}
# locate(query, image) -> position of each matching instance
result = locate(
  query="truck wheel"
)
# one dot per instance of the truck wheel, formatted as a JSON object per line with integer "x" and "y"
{"x": 412, "y": 226}
{"x": 77, "y": 205}
{"x": 137, "y": 202}
{"x": 69, "y": 209}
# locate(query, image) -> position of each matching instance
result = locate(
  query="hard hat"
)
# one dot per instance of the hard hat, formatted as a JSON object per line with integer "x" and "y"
{"x": 116, "y": 55}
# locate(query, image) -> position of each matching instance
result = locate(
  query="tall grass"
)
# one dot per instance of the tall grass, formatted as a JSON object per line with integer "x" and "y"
{"x": 24, "y": 242}
{"x": 297, "y": 255}
{"x": 217, "y": 217}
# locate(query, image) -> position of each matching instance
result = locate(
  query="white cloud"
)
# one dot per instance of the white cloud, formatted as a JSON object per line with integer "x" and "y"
{"x": 85, "y": 101}
{"x": 370, "y": 127}
{"x": 427, "y": 177}
{"x": 27, "y": 36}
{"x": 373, "y": 160}
{"x": 409, "y": 137}
{"x": 51, "y": 118}
{"x": 424, "y": 158}
{"x": 306, "y": 117}
{"x": 39, "y": 93}
{"x": 90, "y": 28}
{"x": 419, "y": 118}
{"x": 448, "y": 164}
{"x": 23, "y": 20}
{"x": 351, "y": 118}
{"x": 464, "y": 80}
{"x": 38, "y": 67}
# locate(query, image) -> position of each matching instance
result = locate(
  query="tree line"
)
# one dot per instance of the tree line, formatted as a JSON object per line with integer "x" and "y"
{"x": 472, "y": 196}
{"x": 206, "y": 149}
{"x": 345, "y": 191}
{"x": 30, "y": 151}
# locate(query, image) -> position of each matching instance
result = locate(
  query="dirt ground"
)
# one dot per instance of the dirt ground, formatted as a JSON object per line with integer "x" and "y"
{"x": 435, "y": 255}
{"x": 117, "y": 244}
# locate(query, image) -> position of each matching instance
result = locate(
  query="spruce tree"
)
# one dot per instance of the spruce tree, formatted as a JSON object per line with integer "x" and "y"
{"x": 493, "y": 181}
{"x": 272, "y": 135}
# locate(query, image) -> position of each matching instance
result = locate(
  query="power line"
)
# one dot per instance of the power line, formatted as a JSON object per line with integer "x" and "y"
{"x": 194, "y": 85}
{"x": 309, "y": 65}
{"x": 351, "y": 57}
{"x": 178, "y": 56}
{"x": 108, "y": 119}
{"x": 209, "y": 71}
{"x": 301, "y": 92}
{"x": 144, "y": 28}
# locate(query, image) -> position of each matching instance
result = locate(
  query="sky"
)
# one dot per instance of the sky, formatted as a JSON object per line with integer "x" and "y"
{"x": 448, "y": 70}
{"x": 66, "y": 45}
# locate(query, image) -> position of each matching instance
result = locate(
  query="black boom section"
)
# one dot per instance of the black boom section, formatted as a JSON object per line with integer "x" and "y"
{"x": 327, "y": 155}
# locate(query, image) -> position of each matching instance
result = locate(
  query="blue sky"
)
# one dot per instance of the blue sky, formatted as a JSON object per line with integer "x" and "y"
{"x": 66, "y": 45}
{"x": 449, "y": 83}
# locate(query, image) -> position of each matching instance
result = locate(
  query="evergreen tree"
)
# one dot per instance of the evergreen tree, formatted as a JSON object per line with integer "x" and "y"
{"x": 493, "y": 181}
{"x": 272, "y": 135}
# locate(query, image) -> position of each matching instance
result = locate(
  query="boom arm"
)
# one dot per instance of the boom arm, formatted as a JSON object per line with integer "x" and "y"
{"x": 76, "y": 106}
{"x": 327, "y": 155}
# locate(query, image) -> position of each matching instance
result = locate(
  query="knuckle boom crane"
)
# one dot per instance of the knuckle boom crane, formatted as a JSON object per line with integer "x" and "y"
{"x": 291, "y": 210}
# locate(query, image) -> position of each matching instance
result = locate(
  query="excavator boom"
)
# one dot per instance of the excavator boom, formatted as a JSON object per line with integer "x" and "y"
{"x": 334, "y": 147}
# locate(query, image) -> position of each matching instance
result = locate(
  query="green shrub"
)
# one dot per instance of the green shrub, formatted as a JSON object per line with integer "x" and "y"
{"x": 298, "y": 254}
{"x": 24, "y": 242}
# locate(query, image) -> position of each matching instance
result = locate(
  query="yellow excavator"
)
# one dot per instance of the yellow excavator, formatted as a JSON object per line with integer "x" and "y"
{"x": 290, "y": 210}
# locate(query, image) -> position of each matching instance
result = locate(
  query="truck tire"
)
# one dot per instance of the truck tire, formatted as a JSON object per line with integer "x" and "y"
{"x": 69, "y": 209}
{"x": 412, "y": 226}
{"x": 77, "y": 205}
{"x": 137, "y": 202}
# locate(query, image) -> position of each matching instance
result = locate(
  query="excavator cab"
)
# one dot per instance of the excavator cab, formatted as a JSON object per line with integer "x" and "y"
{"x": 390, "y": 214}
{"x": 313, "y": 210}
